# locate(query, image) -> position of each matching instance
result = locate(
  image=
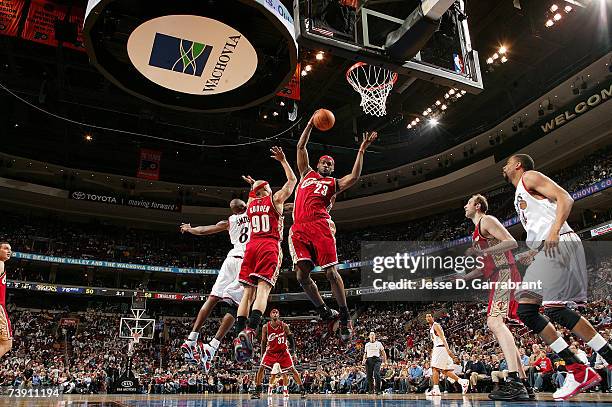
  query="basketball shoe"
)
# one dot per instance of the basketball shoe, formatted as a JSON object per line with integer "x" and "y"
{"x": 243, "y": 345}
{"x": 579, "y": 378}
{"x": 465, "y": 385}
{"x": 192, "y": 352}
{"x": 510, "y": 390}
{"x": 433, "y": 392}
{"x": 208, "y": 353}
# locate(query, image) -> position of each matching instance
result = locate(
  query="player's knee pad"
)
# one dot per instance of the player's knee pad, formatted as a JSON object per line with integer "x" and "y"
{"x": 563, "y": 316}
{"x": 531, "y": 317}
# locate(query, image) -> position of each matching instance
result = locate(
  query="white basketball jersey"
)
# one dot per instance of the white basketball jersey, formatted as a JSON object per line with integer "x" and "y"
{"x": 434, "y": 337}
{"x": 536, "y": 215}
{"x": 239, "y": 231}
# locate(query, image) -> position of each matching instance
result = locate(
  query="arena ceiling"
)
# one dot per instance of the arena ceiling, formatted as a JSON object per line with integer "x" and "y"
{"x": 62, "y": 82}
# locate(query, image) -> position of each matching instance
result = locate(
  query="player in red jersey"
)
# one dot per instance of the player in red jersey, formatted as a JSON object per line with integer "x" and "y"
{"x": 6, "y": 334}
{"x": 262, "y": 257}
{"x": 312, "y": 239}
{"x": 494, "y": 243}
{"x": 274, "y": 337}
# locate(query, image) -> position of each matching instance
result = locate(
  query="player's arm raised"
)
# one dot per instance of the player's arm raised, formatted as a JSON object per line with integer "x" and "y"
{"x": 349, "y": 180}
{"x": 205, "y": 230}
{"x": 285, "y": 192}
{"x": 536, "y": 181}
{"x": 249, "y": 180}
{"x": 491, "y": 226}
{"x": 302, "y": 154}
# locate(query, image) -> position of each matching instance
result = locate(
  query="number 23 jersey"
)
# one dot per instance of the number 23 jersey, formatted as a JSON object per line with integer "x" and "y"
{"x": 314, "y": 197}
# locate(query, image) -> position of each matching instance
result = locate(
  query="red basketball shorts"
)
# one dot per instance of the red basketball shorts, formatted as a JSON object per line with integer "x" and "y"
{"x": 314, "y": 241}
{"x": 502, "y": 301}
{"x": 261, "y": 261}
{"x": 282, "y": 358}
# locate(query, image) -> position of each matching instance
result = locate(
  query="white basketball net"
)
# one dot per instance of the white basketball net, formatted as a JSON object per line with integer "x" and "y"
{"x": 374, "y": 83}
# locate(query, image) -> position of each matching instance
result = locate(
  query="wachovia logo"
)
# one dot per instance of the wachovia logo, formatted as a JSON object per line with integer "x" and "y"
{"x": 192, "y": 54}
{"x": 179, "y": 55}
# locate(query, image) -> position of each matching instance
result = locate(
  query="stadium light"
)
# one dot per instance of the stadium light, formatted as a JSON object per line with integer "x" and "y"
{"x": 549, "y": 23}
{"x": 282, "y": 103}
{"x": 308, "y": 68}
{"x": 275, "y": 113}
{"x": 495, "y": 56}
{"x": 88, "y": 137}
{"x": 320, "y": 56}
{"x": 557, "y": 17}
{"x": 444, "y": 107}
{"x": 502, "y": 49}
{"x": 417, "y": 120}
{"x": 554, "y": 8}
{"x": 438, "y": 103}
{"x": 425, "y": 113}
{"x": 433, "y": 122}
{"x": 304, "y": 73}
{"x": 504, "y": 59}
{"x": 451, "y": 92}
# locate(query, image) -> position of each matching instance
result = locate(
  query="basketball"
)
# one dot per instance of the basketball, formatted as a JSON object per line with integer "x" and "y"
{"x": 324, "y": 119}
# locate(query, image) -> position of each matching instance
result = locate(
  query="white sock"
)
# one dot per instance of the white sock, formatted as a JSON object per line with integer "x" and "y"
{"x": 214, "y": 342}
{"x": 558, "y": 345}
{"x": 193, "y": 336}
{"x": 597, "y": 343}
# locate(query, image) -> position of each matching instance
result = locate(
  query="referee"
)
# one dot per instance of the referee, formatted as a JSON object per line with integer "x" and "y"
{"x": 372, "y": 359}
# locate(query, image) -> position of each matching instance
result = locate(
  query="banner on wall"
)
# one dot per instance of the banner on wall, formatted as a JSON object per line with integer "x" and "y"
{"x": 10, "y": 14}
{"x": 292, "y": 89}
{"x": 43, "y": 18}
{"x": 148, "y": 166}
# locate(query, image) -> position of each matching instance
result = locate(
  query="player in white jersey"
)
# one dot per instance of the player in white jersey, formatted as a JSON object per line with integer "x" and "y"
{"x": 226, "y": 289}
{"x": 557, "y": 271}
{"x": 442, "y": 359}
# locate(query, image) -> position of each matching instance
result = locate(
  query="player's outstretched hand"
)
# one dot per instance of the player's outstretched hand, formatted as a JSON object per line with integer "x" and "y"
{"x": 185, "y": 227}
{"x": 248, "y": 179}
{"x": 368, "y": 138}
{"x": 277, "y": 153}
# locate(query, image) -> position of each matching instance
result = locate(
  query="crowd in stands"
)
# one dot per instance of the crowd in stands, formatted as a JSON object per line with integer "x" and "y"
{"x": 89, "y": 357}
{"x": 102, "y": 240}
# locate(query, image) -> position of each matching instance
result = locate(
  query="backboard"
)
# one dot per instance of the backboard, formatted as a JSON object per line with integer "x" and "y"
{"x": 429, "y": 39}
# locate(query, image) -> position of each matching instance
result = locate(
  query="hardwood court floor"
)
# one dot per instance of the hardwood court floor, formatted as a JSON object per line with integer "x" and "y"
{"x": 335, "y": 400}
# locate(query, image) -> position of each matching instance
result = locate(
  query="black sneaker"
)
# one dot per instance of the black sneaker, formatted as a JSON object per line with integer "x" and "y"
{"x": 255, "y": 395}
{"x": 510, "y": 391}
{"x": 530, "y": 392}
{"x": 346, "y": 331}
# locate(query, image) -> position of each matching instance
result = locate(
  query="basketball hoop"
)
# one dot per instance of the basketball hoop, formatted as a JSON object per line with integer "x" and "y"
{"x": 373, "y": 83}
